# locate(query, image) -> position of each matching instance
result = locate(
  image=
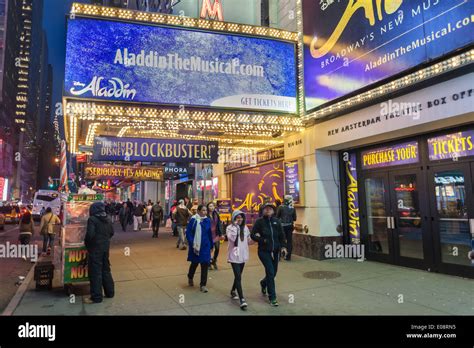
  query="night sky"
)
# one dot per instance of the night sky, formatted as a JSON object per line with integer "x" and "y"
{"x": 54, "y": 23}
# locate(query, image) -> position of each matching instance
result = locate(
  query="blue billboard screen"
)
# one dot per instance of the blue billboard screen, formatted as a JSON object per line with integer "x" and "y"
{"x": 352, "y": 44}
{"x": 119, "y": 61}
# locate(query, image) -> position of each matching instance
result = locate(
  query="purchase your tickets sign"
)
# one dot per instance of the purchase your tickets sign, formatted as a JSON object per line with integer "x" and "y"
{"x": 405, "y": 153}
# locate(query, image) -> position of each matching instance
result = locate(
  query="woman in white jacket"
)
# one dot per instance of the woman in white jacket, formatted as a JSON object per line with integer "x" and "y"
{"x": 238, "y": 236}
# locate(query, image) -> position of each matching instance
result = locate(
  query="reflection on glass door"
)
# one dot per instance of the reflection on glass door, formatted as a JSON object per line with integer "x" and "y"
{"x": 452, "y": 217}
{"x": 376, "y": 215}
{"x": 409, "y": 233}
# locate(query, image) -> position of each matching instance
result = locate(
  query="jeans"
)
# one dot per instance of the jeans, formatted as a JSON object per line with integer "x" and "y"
{"x": 204, "y": 268}
{"x": 238, "y": 269}
{"x": 289, "y": 239}
{"x": 174, "y": 228}
{"x": 100, "y": 275}
{"x": 48, "y": 241}
{"x": 270, "y": 262}
{"x": 182, "y": 236}
{"x": 137, "y": 223}
{"x": 156, "y": 226}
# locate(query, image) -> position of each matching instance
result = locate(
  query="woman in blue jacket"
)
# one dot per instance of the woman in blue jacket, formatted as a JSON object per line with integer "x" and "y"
{"x": 199, "y": 236}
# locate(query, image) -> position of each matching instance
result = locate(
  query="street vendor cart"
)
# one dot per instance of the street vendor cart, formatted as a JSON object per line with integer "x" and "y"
{"x": 74, "y": 270}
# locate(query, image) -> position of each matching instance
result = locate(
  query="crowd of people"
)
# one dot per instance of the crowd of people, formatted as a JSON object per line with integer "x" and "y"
{"x": 201, "y": 232}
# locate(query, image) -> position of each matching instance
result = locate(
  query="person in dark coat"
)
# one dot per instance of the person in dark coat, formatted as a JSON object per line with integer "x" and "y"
{"x": 287, "y": 215}
{"x": 130, "y": 211}
{"x": 216, "y": 230}
{"x": 199, "y": 236}
{"x": 123, "y": 216}
{"x": 99, "y": 232}
{"x": 268, "y": 233}
{"x": 156, "y": 216}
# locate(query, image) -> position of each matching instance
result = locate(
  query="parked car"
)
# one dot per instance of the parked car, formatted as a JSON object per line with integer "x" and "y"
{"x": 12, "y": 214}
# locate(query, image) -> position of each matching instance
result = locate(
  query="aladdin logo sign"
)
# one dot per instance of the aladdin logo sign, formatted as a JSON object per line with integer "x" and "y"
{"x": 115, "y": 88}
{"x": 214, "y": 11}
{"x": 389, "y": 7}
{"x": 352, "y": 191}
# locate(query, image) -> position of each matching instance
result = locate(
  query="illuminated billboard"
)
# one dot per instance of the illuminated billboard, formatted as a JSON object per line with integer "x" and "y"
{"x": 129, "y": 62}
{"x": 352, "y": 44}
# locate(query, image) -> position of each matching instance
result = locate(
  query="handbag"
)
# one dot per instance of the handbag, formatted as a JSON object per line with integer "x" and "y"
{"x": 168, "y": 223}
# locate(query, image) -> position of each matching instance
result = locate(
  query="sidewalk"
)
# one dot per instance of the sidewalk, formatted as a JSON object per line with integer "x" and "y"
{"x": 152, "y": 281}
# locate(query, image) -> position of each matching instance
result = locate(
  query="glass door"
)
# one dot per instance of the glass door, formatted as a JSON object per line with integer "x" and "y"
{"x": 376, "y": 217}
{"x": 453, "y": 217}
{"x": 409, "y": 219}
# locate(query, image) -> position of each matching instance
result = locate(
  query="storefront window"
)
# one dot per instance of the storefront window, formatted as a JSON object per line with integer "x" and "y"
{"x": 453, "y": 219}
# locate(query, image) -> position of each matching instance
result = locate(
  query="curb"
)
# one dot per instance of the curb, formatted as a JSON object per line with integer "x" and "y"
{"x": 15, "y": 301}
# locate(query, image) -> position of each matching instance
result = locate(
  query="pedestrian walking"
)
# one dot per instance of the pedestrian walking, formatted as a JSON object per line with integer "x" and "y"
{"x": 130, "y": 211}
{"x": 27, "y": 229}
{"x": 47, "y": 229}
{"x": 138, "y": 217}
{"x": 238, "y": 253}
{"x": 199, "y": 236}
{"x": 157, "y": 217}
{"x": 99, "y": 232}
{"x": 287, "y": 215}
{"x": 123, "y": 216}
{"x": 182, "y": 216}
{"x": 216, "y": 230}
{"x": 174, "y": 226}
{"x": 268, "y": 233}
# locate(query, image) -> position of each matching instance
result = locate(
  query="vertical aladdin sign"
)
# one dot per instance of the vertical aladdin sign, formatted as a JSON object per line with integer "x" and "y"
{"x": 352, "y": 199}
{"x": 212, "y": 11}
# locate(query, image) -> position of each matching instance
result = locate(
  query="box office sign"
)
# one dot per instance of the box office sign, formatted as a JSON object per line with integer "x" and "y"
{"x": 155, "y": 150}
{"x": 101, "y": 172}
{"x": 75, "y": 265}
{"x": 406, "y": 153}
{"x": 460, "y": 144}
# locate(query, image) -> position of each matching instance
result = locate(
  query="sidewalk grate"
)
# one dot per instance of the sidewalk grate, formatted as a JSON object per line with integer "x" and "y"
{"x": 322, "y": 275}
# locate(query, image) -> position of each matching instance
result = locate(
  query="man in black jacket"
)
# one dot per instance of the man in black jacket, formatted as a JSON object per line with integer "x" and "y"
{"x": 268, "y": 232}
{"x": 157, "y": 217}
{"x": 97, "y": 241}
{"x": 287, "y": 215}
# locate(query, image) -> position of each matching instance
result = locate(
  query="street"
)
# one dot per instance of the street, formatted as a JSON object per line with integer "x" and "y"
{"x": 12, "y": 268}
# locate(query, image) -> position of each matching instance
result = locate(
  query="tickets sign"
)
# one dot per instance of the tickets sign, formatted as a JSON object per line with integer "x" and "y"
{"x": 460, "y": 144}
{"x": 406, "y": 153}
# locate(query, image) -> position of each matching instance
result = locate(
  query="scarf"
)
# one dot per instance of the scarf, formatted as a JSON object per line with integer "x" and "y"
{"x": 197, "y": 234}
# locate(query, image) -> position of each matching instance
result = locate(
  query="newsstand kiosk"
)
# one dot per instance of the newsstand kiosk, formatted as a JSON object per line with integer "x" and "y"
{"x": 74, "y": 270}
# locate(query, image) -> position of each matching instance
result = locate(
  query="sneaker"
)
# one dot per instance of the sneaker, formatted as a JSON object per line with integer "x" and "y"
{"x": 190, "y": 282}
{"x": 215, "y": 266}
{"x": 204, "y": 289}
{"x": 183, "y": 248}
{"x": 263, "y": 288}
{"x": 234, "y": 295}
{"x": 243, "y": 305}
{"x": 274, "y": 303}
{"x": 211, "y": 267}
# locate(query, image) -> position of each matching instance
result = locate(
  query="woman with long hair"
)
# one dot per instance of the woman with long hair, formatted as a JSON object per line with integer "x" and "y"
{"x": 239, "y": 239}
{"x": 199, "y": 236}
